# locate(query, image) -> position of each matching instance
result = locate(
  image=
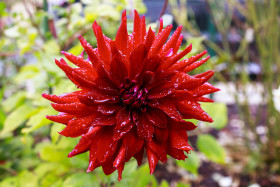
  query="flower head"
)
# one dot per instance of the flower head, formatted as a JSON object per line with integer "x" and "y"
{"x": 134, "y": 94}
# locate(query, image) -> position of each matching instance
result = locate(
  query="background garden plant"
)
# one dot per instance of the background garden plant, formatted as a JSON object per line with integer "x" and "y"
{"x": 33, "y": 154}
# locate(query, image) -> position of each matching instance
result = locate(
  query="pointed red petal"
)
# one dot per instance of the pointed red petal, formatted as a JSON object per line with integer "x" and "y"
{"x": 160, "y": 25}
{"x": 192, "y": 110}
{"x": 77, "y": 60}
{"x": 180, "y": 65}
{"x": 81, "y": 147}
{"x": 136, "y": 34}
{"x": 103, "y": 47}
{"x": 143, "y": 27}
{"x": 159, "y": 41}
{"x": 94, "y": 59}
{"x": 73, "y": 108}
{"x": 195, "y": 65}
{"x": 120, "y": 158}
{"x": 108, "y": 168}
{"x": 179, "y": 140}
{"x": 122, "y": 37}
{"x": 169, "y": 108}
{"x": 139, "y": 156}
{"x": 173, "y": 39}
{"x": 137, "y": 59}
{"x": 108, "y": 108}
{"x": 132, "y": 143}
{"x": 123, "y": 118}
{"x": 159, "y": 150}
{"x": 150, "y": 38}
{"x": 77, "y": 127}
{"x": 153, "y": 160}
{"x": 61, "y": 99}
{"x": 178, "y": 44}
{"x": 61, "y": 118}
{"x": 161, "y": 135}
{"x": 145, "y": 129}
{"x": 157, "y": 117}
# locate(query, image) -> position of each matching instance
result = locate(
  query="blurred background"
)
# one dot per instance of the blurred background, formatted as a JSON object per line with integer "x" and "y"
{"x": 241, "y": 147}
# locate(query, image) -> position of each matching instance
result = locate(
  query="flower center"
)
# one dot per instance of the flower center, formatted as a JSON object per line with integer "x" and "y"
{"x": 133, "y": 95}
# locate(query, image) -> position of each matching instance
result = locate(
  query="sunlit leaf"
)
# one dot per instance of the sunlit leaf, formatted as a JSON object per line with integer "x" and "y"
{"x": 13, "y": 101}
{"x": 9, "y": 182}
{"x": 27, "y": 179}
{"x": 38, "y": 120}
{"x": 164, "y": 183}
{"x": 191, "y": 163}
{"x": 2, "y": 7}
{"x": 209, "y": 146}
{"x": 51, "y": 47}
{"x": 218, "y": 112}
{"x": 76, "y": 50}
{"x": 56, "y": 127}
{"x": 81, "y": 180}
{"x": 16, "y": 118}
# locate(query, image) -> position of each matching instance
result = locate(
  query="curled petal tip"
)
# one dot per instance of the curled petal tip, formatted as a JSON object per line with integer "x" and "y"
{"x": 124, "y": 14}
{"x": 71, "y": 154}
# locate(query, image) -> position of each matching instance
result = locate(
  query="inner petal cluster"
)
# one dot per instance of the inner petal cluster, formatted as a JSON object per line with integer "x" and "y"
{"x": 133, "y": 95}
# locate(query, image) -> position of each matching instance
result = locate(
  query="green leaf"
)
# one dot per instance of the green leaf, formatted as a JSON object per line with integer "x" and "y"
{"x": 9, "y": 182}
{"x": 44, "y": 168}
{"x": 53, "y": 153}
{"x": 2, "y": 7}
{"x": 14, "y": 101}
{"x": 48, "y": 64}
{"x": 27, "y": 179}
{"x": 2, "y": 118}
{"x": 209, "y": 146}
{"x": 76, "y": 50}
{"x": 164, "y": 183}
{"x": 49, "y": 179}
{"x": 183, "y": 185}
{"x": 81, "y": 180}
{"x": 16, "y": 118}
{"x": 51, "y": 47}
{"x": 56, "y": 127}
{"x": 64, "y": 86}
{"x": 103, "y": 10}
{"x": 191, "y": 164}
{"x": 2, "y": 90}
{"x": 38, "y": 120}
{"x": 196, "y": 44}
{"x": 218, "y": 112}
{"x": 143, "y": 178}
{"x": 27, "y": 72}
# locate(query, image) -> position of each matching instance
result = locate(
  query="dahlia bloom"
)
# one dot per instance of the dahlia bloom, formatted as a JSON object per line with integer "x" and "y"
{"x": 134, "y": 94}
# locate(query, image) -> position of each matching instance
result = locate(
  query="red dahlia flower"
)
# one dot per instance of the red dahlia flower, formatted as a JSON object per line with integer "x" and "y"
{"x": 134, "y": 95}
